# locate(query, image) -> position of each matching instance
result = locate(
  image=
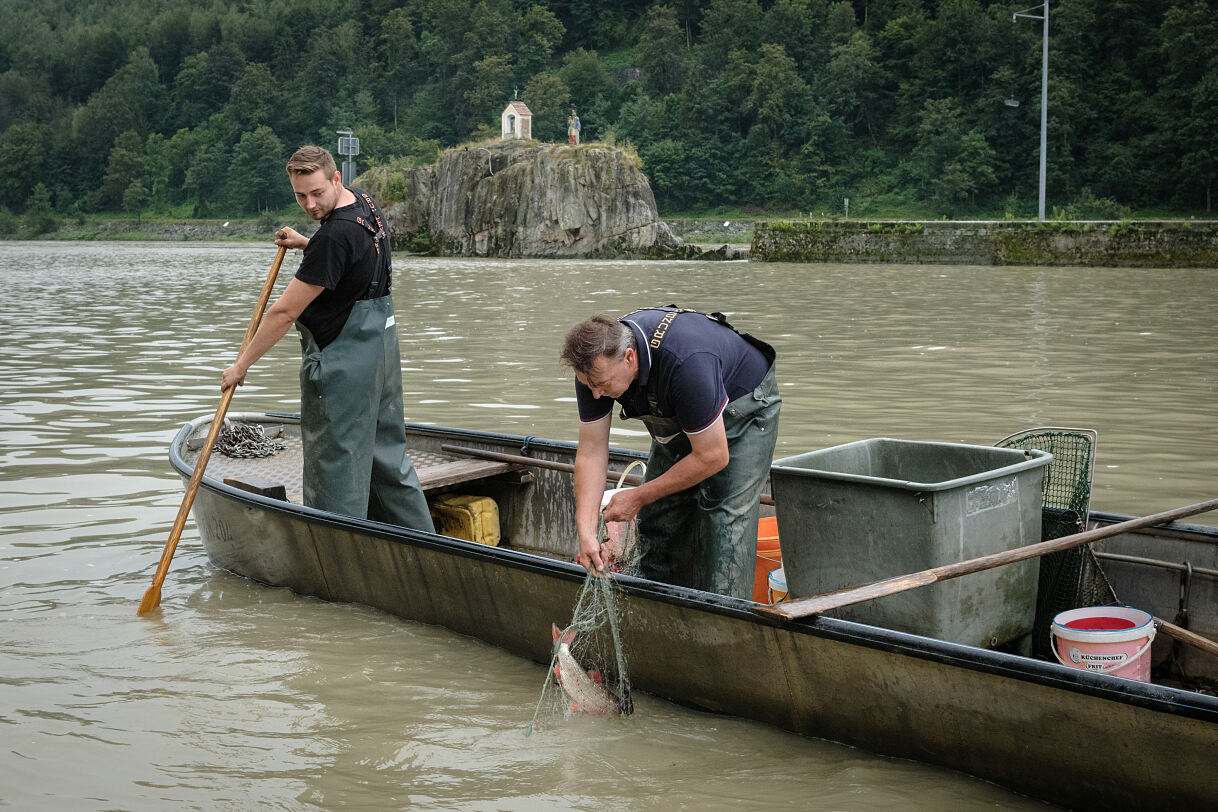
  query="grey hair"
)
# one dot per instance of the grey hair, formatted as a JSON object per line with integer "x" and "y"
{"x": 593, "y": 338}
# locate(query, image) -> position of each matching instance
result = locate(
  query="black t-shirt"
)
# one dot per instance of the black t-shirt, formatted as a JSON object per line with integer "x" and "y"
{"x": 342, "y": 258}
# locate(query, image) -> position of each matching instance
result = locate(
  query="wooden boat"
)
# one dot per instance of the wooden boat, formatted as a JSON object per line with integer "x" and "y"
{"x": 1085, "y": 740}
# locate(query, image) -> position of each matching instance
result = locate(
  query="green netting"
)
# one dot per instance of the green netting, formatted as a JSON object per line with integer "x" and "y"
{"x": 1072, "y": 578}
{"x": 1068, "y": 478}
{"x": 588, "y": 672}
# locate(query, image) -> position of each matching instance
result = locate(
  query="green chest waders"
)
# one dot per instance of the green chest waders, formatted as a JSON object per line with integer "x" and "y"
{"x": 705, "y": 537}
{"x": 353, "y": 428}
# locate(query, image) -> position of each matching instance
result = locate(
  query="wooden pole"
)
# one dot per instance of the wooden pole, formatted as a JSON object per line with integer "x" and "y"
{"x": 815, "y": 605}
{"x": 1185, "y": 636}
{"x": 152, "y": 598}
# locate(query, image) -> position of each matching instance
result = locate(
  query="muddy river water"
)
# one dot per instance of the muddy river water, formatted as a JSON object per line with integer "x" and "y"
{"x": 237, "y": 696}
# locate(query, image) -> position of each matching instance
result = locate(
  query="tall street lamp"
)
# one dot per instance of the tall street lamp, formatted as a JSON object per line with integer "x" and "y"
{"x": 1044, "y": 91}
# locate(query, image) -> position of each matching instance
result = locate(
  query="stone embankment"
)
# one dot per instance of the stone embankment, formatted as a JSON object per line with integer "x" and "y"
{"x": 182, "y": 231}
{"x": 524, "y": 199}
{"x": 1147, "y": 244}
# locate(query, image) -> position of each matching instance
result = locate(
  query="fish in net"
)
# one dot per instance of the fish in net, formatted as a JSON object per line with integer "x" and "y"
{"x": 588, "y": 670}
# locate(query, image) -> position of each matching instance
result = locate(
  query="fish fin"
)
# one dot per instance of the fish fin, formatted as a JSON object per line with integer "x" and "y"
{"x": 558, "y": 673}
{"x": 596, "y": 676}
{"x": 555, "y": 632}
{"x": 575, "y": 706}
{"x": 568, "y": 637}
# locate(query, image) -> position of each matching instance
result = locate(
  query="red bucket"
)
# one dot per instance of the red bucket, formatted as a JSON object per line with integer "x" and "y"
{"x": 1104, "y": 639}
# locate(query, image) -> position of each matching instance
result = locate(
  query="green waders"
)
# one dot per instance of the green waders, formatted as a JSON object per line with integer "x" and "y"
{"x": 705, "y": 536}
{"x": 352, "y": 425}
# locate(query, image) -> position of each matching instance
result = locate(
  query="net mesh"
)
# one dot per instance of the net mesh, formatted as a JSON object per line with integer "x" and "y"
{"x": 1072, "y": 578}
{"x": 588, "y": 670}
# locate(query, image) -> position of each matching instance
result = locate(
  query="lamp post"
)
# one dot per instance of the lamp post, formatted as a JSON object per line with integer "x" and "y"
{"x": 1044, "y": 92}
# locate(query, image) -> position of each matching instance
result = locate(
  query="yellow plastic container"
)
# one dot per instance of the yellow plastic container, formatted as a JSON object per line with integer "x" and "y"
{"x": 473, "y": 518}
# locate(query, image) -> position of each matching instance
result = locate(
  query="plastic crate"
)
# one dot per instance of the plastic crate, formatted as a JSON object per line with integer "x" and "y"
{"x": 873, "y": 509}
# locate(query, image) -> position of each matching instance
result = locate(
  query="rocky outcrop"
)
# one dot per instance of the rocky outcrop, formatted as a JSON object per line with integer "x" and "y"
{"x": 523, "y": 199}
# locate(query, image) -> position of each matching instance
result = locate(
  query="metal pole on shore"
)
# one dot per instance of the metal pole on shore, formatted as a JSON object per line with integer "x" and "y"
{"x": 1044, "y": 96}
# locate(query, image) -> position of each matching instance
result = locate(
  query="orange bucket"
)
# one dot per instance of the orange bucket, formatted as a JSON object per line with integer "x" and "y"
{"x": 769, "y": 557}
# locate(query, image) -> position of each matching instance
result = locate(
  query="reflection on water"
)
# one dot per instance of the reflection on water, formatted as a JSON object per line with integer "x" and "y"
{"x": 239, "y": 696}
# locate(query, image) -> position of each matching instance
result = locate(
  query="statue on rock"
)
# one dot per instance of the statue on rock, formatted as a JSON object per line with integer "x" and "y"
{"x": 573, "y": 128}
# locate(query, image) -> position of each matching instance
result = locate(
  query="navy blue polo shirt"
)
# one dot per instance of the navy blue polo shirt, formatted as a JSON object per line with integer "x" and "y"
{"x": 701, "y": 367}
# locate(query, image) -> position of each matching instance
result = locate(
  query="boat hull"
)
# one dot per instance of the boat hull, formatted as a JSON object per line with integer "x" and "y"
{"x": 1083, "y": 740}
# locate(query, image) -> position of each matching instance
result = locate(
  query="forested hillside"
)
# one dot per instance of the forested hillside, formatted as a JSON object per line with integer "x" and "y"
{"x": 180, "y": 108}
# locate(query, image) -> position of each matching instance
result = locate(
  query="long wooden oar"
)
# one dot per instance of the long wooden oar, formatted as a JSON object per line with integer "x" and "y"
{"x": 902, "y": 583}
{"x": 631, "y": 479}
{"x": 152, "y": 598}
{"x": 1185, "y": 636}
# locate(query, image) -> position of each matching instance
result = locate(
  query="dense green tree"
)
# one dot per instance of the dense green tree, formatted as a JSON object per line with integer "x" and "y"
{"x": 850, "y": 85}
{"x": 24, "y": 98}
{"x": 549, "y": 99}
{"x": 777, "y": 100}
{"x": 254, "y": 100}
{"x": 180, "y": 151}
{"x": 133, "y": 99}
{"x": 537, "y": 35}
{"x": 90, "y": 55}
{"x": 662, "y": 52}
{"x": 781, "y": 103}
{"x": 399, "y": 52}
{"x": 951, "y": 165}
{"x": 40, "y": 212}
{"x": 1188, "y": 92}
{"x": 124, "y": 167}
{"x": 22, "y": 152}
{"x": 135, "y": 197}
{"x": 205, "y": 179}
{"x": 799, "y": 27}
{"x": 489, "y": 82}
{"x": 157, "y": 168}
{"x": 729, "y": 25}
{"x": 256, "y": 178}
{"x": 206, "y": 81}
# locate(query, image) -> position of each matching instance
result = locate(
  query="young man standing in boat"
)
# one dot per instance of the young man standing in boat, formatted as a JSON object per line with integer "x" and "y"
{"x": 708, "y": 397}
{"x": 351, "y": 414}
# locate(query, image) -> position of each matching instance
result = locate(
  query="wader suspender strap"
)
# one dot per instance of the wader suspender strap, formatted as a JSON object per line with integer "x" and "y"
{"x": 657, "y": 338}
{"x": 378, "y": 236}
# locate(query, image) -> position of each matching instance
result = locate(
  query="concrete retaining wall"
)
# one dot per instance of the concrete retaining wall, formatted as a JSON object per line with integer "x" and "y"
{"x": 1159, "y": 244}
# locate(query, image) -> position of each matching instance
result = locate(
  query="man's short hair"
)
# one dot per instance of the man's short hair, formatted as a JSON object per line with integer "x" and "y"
{"x": 308, "y": 159}
{"x": 593, "y": 338}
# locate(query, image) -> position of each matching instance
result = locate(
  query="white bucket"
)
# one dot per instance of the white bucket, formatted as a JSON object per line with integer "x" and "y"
{"x": 1104, "y": 639}
{"x": 617, "y": 533}
{"x": 777, "y": 592}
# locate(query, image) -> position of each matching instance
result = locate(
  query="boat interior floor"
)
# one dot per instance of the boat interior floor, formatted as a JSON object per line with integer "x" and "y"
{"x": 436, "y": 469}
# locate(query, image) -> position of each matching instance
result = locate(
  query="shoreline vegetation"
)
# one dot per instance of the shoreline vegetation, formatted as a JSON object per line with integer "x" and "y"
{"x": 1157, "y": 243}
{"x": 733, "y": 109}
{"x": 732, "y": 227}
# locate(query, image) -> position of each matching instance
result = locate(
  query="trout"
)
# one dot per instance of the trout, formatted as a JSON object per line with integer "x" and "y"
{"x": 585, "y": 688}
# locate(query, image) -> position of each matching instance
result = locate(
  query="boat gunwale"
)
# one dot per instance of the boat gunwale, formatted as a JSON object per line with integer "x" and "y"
{"x": 1159, "y": 698}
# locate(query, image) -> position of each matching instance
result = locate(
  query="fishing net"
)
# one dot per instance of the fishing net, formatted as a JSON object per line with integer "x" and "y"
{"x": 588, "y": 672}
{"x": 1073, "y": 578}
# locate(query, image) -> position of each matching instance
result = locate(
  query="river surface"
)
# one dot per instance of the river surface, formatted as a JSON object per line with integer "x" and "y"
{"x": 237, "y": 696}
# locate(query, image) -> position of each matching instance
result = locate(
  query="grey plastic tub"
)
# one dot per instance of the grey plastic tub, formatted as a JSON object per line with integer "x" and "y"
{"x": 873, "y": 509}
